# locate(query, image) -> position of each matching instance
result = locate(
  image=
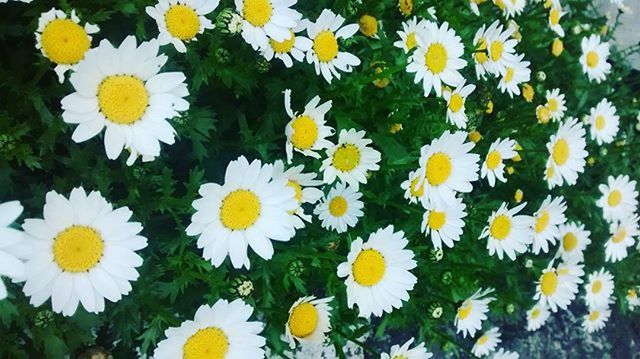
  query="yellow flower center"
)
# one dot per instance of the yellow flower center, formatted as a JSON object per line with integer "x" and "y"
{"x": 552, "y": 104}
{"x": 614, "y": 199}
{"x": 240, "y": 209}
{"x": 368, "y": 25}
{"x": 406, "y": 7}
{"x": 182, "y": 22}
{"x": 411, "y": 41}
{"x": 569, "y": 242}
{"x": 123, "y": 99}
{"x": 596, "y": 287}
{"x": 483, "y": 340}
{"x": 346, "y": 157}
{"x": 543, "y": 114}
{"x": 456, "y": 102}
{"x": 550, "y": 171}
{"x": 481, "y": 57}
{"x": 303, "y": 320}
{"x": 560, "y": 152}
{"x": 554, "y": 16}
{"x": 620, "y": 236}
{"x": 494, "y": 159}
{"x": 535, "y": 313}
{"x": 283, "y": 47}
{"x": 600, "y": 122}
{"x": 369, "y": 267}
{"x": 475, "y": 136}
{"x": 500, "y": 227}
{"x": 632, "y": 294}
{"x": 592, "y": 59}
{"x": 207, "y": 343}
{"x": 437, "y": 220}
{"x": 593, "y": 316}
{"x": 557, "y": 47}
{"x": 338, "y": 206}
{"x": 438, "y": 168}
{"x": 325, "y": 45}
{"x": 305, "y": 132}
{"x": 497, "y": 47}
{"x": 77, "y": 249}
{"x": 542, "y": 222}
{"x": 64, "y": 41}
{"x": 436, "y": 58}
{"x": 528, "y": 92}
{"x": 414, "y": 189}
{"x": 465, "y": 310}
{"x": 509, "y": 75}
{"x": 257, "y": 12}
{"x": 549, "y": 283}
{"x": 297, "y": 188}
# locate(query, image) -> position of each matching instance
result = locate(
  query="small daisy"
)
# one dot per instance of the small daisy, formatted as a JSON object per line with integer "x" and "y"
{"x": 438, "y": 58}
{"x": 555, "y": 104}
{"x": 567, "y": 153}
{"x": 555, "y": 289}
{"x": 121, "y": 89}
{"x": 412, "y": 190}
{"x": 604, "y": 122}
{"x": 266, "y": 19}
{"x": 295, "y": 46}
{"x": 325, "y": 53}
{"x": 574, "y": 239}
{"x": 513, "y": 8}
{"x": 596, "y": 319}
{"x": 403, "y": 352}
{"x": 304, "y": 186}
{"x": 180, "y": 21}
{"x": 83, "y": 252}
{"x": 632, "y": 298}
{"x": 555, "y": 14}
{"x": 456, "y": 100}
{"x": 537, "y": 316}
{"x": 517, "y": 72}
{"x": 487, "y": 342}
{"x": 480, "y": 55}
{"x": 222, "y": 330}
{"x": 508, "y": 232}
{"x": 350, "y": 159}
{"x": 378, "y": 272}
{"x": 493, "y": 165}
{"x": 62, "y": 40}
{"x": 472, "y": 312}
{"x": 619, "y": 198}
{"x": 340, "y": 209}
{"x": 500, "y": 48}
{"x": 309, "y": 321}
{"x": 443, "y": 221}
{"x": 10, "y": 239}
{"x": 594, "y": 58}
{"x": 411, "y": 30}
{"x": 547, "y": 219}
{"x": 623, "y": 235}
{"x": 505, "y": 354}
{"x": 307, "y": 132}
{"x": 250, "y": 209}
{"x": 599, "y": 289}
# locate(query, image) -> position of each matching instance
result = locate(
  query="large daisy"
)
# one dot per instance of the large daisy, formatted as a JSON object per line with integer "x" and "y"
{"x": 121, "y": 89}
{"x": 377, "y": 272}
{"x": 62, "y": 40}
{"x": 304, "y": 185}
{"x": 10, "y": 240}
{"x": 403, "y": 352}
{"x": 507, "y": 232}
{"x": 557, "y": 288}
{"x": 567, "y": 153}
{"x": 547, "y": 219}
{"x": 341, "y": 208}
{"x": 456, "y": 104}
{"x": 307, "y": 132}
{"x": 604, "y": 122}
{"x": 250, "y": 209}
{"x": 537, "y": 316}
{"x": 596, "y": 319}
{"x": 350, "y": 159}
{"x": 443, "y": 221}
{"x": 411, "y": 30}
{"x": 487, "y": 342}
{"x": 493, "y": 165}
{"x": 266, "y": 19}
{"x": 599, "y": 289}
{"x": 293, "y": 47}
{"x": 555, "y": 104}
{"x": 574, "y": 239}
{"x": 222, "y": 330}
{"x": 309, "y": 320}
{"x": 516, "y": 73}
{"x": 623, "y": 236}
{"x": 594, "y": 58}
{"x": 82, "y": 252}
{"x": 472, "y": 312}
{"x": 619, "y": 198}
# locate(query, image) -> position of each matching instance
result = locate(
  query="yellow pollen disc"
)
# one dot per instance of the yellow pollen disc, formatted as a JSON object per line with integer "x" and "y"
{"x": 283, "y": 47}
{"x": 557, "y": 47}
{"x": 303, "y": 320}
{"x": 305, "y": 132}
{"x": 465, "y": 310}
{"x": 554, "y": 16}
{"x": 456, "y": 102}
{"x": 406, "y": 7}
{"x": 481, "y": 57}
{"x": 414, "y": 189}
{"x": 368, "y": 25}
{"x": 552, "y": 104}
{"x": 550, "y": 171}
{"x": 436, "y": 58}
{"x": 182, "y": 22}
{"x": 369, "y": 267}
{"x": 620, "y": 236}
{"x": 325, "y": 45}
{"x": 207, "y": 343}
{"x": 569, "y": 242}
{"x": 500, "y": 227}
{"x": 596, "y": 287}
{"x": 257, "y": 12}
{"x": 346, "y": 157}
{"x": 64, "y": 41}
{"x": 632, "y": 294}
{"x": 549, "y": 283}
{"x": 560, "y": 152}
{"x": 411, "y": 41}
{"x": 542, "y": 222}
{"x": 240, "y": 209}
{"x": 535, "y": 313}
{"x": 592, "y": 59}
{"x": 123, "y": 99}
{"x": 483, "y": 340}
{"x": 437, "y": 220}
{"x": 338, "y": 206}
{"x": 543, "y": 114}
{"x": 77, "y": 249}
{"x": 593, "y": 316}
{"x": 600, "y": 122}
{"x": 614, "y": 199}
{"x": 494, "y": 159}
{"x": 438, "y": 168}
{"x": 497, "y": 47}
{"x": 297, "y": 188}
{"x": 509, "y": 75}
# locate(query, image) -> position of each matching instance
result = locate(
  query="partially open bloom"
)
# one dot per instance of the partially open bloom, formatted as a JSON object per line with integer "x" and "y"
{"x": 472, "y": 312}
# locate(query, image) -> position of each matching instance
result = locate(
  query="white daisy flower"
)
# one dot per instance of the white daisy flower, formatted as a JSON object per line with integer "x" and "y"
{"x": 507, "y": 232}
{"x": 378, "y": 272}
{"x": 623, "y": 235}
{"x": 596, "y": 319}
{"x": 574, "y": 239}
{"x": 62, "y": 40}
{"x": 604, "y": 122}
{"x": 555, "y": 104}
{"x": 266, "y": 19}
{"x": 340, "y": 209}
{"x": 295, "y": 46}
{"x": 403, "y": 352}
{"x": 121, "y": 89}
{"x": 250, "y": 209}
{"x": 594, "y": 58}
{"x": 304, "y": 186}
{"x": 350, "y": 159}
{"x": 547, "y": 219}
{"x": 222, "y": 330}
{"x": 411, "y": 30}
{"x": 632, "y": 298}
{"x": 619, "y": 198}
{"x": 443, "y": 221}
{"x": 500, "y": 47}
{"x": 512, "y": 8}
{"x": 412, "y": 190}
{"x": 472, "y": 312}
{"x": 555, "y": 288}
{"x": 572, "y": 271}
{"x": 516, "y": 72}
{"x": 505, "y": 354}
{"x": 307, "y": 132}
{"x": 180, "y": 21}
{"x": 481, "y": 54}
{"x": 537, "y": 316}
{"x": 493, "y": 165}
{"x": 487, "y": 342}
{"x": 567, "y": 153}
{"x": 599, "y": 289}
{"x": 10, "y": 240}
{"x": 309, "y": 321}
{"x": 325, "y": 53}
{"x": 83, "y": 252}
{"x": 555, "y": 14}
{"x": 438, "y": 58}
{"x": 456, "y": 100}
